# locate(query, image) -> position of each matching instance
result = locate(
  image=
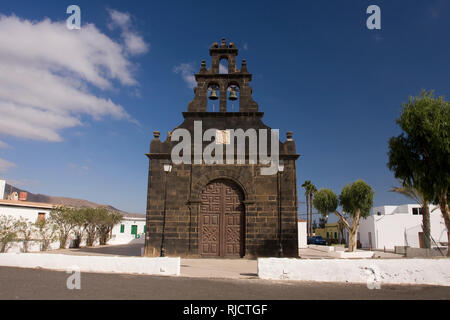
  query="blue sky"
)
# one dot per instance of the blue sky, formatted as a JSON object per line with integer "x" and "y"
{"x": 318, "y": 71}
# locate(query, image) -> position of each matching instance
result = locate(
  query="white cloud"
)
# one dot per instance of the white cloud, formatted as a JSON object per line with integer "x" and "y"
{"x": 134, "y": 43}
{"x": 45, "y": 74}
{"x": 3, "y": 145}
{"x": 118, "y": 18}
{"x": 187, "y": 73}
{"x": 5, "y": 165}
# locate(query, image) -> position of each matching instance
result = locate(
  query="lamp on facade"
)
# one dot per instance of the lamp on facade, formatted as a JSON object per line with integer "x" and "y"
{"x": 167, "y": 166}
{"x": 280, "y": 171}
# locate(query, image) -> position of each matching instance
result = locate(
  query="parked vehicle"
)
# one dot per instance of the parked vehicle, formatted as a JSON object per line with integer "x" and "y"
{"x": 318, "y": 240}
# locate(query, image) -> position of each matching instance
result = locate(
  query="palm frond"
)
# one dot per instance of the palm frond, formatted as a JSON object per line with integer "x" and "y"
{"x": 409, "y": 192}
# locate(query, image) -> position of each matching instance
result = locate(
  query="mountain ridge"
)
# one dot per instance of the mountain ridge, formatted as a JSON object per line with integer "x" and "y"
{"x": 65, "y": 201}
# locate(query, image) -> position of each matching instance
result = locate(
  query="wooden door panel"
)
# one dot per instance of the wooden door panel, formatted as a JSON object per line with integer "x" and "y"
{"x": 221, "y": 220}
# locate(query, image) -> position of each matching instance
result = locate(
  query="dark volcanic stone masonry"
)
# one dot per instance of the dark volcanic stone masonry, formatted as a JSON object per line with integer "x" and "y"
{"x": 228, "y": 210}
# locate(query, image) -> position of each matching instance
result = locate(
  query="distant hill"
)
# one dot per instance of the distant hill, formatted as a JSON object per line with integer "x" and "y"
{"x": 65, "y": 201}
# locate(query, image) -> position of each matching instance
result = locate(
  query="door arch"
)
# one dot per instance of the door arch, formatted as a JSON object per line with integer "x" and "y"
{"x": 222, "y": 220}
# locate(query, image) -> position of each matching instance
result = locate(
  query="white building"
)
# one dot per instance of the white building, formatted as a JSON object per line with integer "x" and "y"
{"x": 31, "y": 211}
{"x": 302, "y": 234}
{"x": 130, "y": 230}
{"x": 391, "y": 226}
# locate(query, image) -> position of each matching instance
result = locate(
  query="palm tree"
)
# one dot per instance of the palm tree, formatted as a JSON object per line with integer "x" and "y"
{"x": 419, "y": 197}
{"x": 312, "y": 191}
{"x": 306, "y": 185}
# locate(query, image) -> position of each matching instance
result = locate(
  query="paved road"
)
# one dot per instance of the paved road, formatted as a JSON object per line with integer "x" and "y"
{"x": 16, "y": 283}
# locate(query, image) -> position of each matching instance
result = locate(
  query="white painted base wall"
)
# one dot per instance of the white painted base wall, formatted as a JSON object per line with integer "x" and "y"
{"x": 302, "y": 235}
{"x": 321, "y": 248}
{"x": 351, "y": 255}
{"x": 364, "y": 271}
{"x": 126, "y": 239}
{"x": 97, "y": 264}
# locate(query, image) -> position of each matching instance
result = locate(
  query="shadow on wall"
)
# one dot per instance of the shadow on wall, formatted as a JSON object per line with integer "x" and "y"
{"x": 129, "y": 250}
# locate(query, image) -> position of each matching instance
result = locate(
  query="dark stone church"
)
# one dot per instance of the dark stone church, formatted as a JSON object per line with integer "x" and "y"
{"x": 221, "y": 210}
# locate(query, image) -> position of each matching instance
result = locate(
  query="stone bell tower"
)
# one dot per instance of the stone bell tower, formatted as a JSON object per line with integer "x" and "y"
{"x": 220, "y": 209}
{"x": 235, "y": 77}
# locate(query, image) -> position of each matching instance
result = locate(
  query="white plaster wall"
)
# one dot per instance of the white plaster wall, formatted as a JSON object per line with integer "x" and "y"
{"x": 33, "y": 246}
{"x": 2, "y": 189}
{"x": 302, "y": 235}
{"x": 101, "y": 264}
{"x": 31, "y": 214}
{"x": 365, "y": 226}
{"x": 400, "y": 228}
{"x": 126, "y": 236}
{"x": 368, "y": 271}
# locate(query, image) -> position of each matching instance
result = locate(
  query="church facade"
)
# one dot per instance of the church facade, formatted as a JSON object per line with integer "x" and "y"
{"x": 202, "y": 209}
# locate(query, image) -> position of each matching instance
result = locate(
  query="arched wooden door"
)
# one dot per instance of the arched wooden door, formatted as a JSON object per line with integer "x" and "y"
{"x": 222, "y": 220}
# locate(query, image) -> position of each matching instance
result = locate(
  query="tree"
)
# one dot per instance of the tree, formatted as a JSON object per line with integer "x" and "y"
{"x": 314, "y": 225}
{"x": 27, "y": 230}
{"x": 341, "y": 229}
{"x": 417, "y": 196}
{"x": 90, "y": 219}
{"x": 420, "y": 155}
{"x": 65, "y": 221}
{"x": 306, "y": 186}
{"x": 323, "y": 221}
{"x": 9, "y": 230}
{"x": 47, "y": 231}
{"x": 312, "y": 191}
{"x": 356, "y": 199}
{"x": 79, "y": 222}
{"x": 106, "y": 220}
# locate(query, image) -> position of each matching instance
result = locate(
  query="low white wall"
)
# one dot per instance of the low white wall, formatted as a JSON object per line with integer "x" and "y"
{"x": 321, "y": 248}
{"x": 126, "y": 239}
{"x": 382, "y": 271}
{"x": 100, "y": 264}
{"x": 33, "y": 246}
{"x": 351, "y": 255}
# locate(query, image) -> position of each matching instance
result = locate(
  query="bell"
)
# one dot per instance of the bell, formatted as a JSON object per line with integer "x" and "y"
{"x": 233, "y": 95}
{"x": 213, "y": 95}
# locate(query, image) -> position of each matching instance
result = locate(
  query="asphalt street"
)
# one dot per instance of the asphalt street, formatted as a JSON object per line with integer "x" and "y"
{"x": 17, "y": 283}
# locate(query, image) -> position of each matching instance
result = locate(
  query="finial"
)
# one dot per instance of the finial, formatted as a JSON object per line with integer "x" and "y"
{"x": 289, "y": 136}
{"x": 203, "y": 67}
{"x": 156, "y": 134}
{"x": 244, "y": 66}
{"x": 224, "y": 43}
